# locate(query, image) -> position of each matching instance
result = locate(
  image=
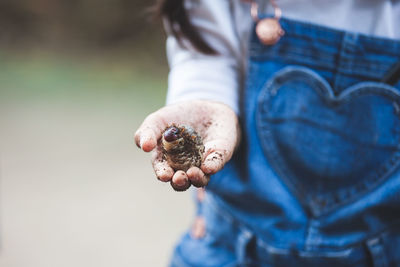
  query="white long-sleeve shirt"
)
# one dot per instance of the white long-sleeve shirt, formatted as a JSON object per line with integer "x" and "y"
{"x": 225, "y": 25}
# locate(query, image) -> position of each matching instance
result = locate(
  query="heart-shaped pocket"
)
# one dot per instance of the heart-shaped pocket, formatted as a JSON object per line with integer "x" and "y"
{"x": 328, "y": 149}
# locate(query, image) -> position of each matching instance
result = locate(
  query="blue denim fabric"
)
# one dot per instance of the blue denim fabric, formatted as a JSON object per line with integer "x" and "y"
{"x": 316, "y": 180}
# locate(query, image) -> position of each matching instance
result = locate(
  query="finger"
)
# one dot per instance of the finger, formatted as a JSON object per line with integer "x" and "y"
{"x": 146, "y": 139}
{"x": 213, "y": 163}
{"x": 163, "y": 171}
{"x": 197, "y": 177}
{"x": 218, "y": 152}
{"x": 180, "y": 181}
{"x": 150, "y": 131}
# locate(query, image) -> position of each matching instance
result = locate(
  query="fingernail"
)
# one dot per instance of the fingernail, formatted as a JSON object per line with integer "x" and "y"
{"x": 181, "y": 182}
{"x": 201, "y": 182}
{"x": 180, "y": 188}
{"x": 164, "y": 175}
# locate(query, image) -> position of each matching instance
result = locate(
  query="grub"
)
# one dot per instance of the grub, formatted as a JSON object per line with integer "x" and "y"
{"x": 182, "y": 147}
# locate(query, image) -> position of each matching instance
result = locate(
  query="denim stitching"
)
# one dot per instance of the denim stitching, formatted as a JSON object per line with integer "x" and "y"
{"x": 329, "y": 200}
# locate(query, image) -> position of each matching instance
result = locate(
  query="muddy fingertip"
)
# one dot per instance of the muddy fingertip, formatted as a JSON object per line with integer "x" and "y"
{"x": 197, "y": 177}
{"x": 148, "y": 144}
{"x": 164, "y": 174}
{"x": 213, "y": 163}
{"x": 180, "y": 181}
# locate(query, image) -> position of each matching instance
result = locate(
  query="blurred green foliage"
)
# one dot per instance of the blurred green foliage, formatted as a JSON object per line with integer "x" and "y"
{"x": 45, "y": 77}
{"x": 82, "y": 50}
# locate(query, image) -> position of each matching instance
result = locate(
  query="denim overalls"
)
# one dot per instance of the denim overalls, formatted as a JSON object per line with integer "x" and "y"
{"x": 316, "y": 180}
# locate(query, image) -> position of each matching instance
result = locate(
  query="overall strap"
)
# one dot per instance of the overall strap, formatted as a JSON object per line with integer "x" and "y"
{"x": 393, "y": 75}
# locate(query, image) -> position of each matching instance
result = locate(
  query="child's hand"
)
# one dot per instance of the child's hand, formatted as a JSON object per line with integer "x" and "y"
{"x": 216, "y": 123}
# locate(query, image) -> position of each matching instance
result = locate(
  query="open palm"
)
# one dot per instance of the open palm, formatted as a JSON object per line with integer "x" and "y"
{"x": 215, "y": 122}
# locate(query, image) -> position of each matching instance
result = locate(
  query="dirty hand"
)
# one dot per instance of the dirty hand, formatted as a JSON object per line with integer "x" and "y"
{"x": 216, "y": 123}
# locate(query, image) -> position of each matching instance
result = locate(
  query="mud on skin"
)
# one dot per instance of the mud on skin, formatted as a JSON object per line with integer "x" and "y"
{"x": 182, "y": 149}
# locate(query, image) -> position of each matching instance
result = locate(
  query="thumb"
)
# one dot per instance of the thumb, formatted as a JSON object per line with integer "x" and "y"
{"x": 150, "y": 131}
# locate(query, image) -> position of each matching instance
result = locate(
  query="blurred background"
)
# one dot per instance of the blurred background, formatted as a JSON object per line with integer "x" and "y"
{"x": 77, "y": 77}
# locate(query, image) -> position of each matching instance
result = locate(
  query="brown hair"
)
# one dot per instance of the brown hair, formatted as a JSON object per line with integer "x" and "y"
{"x": 181, "y": 27}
